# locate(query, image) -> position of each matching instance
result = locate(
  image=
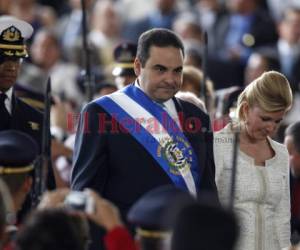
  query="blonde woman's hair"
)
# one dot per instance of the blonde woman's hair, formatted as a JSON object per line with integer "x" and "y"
{"x": 271, "y": 92}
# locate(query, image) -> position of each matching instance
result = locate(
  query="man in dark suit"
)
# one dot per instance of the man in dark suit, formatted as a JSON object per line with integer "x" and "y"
{"x": 142, "y": 137}
{"x": 292, "y": 142}
{"x": 14, "y": 113}
{"x": 287, "y": 48}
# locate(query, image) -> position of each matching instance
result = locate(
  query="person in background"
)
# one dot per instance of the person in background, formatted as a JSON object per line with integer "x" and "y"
{"x": 46, "y": 61}
{"x": 188, "y": 28}
{"x": 18, "y": 155}
{"x": 226, "y": 101}
{"x": 262, "y": 193}
{"x": 105, "y": 88}
{"x": 5, "y": 7}
{"x": 2, "y": 219}
{"x": 14, "y": 113}
{"x": 105, "y": 30}
{"x": 68, "y": 27}
{"x": 123, "y": 70}
{"x": 52, "y": 229}
{"x": 104, "y": 214}
{"x": 162, "y": 16}
{"x": 234, "y": 36}
{"x": 259, "y": 62}
{"x": 154, "y": 223}
{"x": 288, "y": 51}
{"x": 193, "y": 82}
{"x": 209, "y": 12}
{"x": 193, "y": 55}
{"x": 217, "y": 226}
{"x": 7, "y": 215}
{"x": 192, "y": 98}
{"x": 287, "y": 48}
{"x": 292, "y": 142}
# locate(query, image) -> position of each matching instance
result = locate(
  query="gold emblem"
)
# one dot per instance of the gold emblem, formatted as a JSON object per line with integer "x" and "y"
{"x": 34, "y": 125}
{"x": 11, "y": 34}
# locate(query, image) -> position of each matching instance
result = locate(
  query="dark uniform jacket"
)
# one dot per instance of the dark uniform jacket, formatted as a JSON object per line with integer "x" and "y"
{"x": 26, "y": 119}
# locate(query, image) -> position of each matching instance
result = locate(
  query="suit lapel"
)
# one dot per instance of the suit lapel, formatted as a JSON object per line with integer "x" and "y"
{"x": 196, "y": 139}
{"x": 184, "y": 114}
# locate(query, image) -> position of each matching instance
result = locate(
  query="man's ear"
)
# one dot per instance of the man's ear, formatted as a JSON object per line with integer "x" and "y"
{"x": 137, "y": 66}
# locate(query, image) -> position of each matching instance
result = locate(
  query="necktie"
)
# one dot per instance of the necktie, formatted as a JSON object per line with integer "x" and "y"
{"x": 4, "y": 115}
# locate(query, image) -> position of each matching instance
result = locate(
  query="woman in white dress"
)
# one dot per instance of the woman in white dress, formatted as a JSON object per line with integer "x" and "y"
{"x": 262, "y": 199}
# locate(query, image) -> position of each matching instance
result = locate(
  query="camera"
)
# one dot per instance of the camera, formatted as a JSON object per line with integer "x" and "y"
{"x": 80, "y": 201}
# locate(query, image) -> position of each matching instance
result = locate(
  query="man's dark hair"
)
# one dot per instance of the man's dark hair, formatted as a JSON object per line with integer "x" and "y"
{"x": 156, "y": 37}
{"x": 52, "y": 229}
{"x": 217, "y": 228}
{"x": 293, "y": 130}
{"x": 147, "y": 243}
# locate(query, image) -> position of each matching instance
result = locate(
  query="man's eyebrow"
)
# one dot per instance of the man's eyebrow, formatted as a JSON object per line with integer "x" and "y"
{"x": 160, "y": 66}
{"x": 178, "y": 68}
{"x": 166, "y": 68}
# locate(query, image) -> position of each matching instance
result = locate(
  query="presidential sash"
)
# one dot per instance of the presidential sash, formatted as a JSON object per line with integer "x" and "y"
{"x": 132, "y": 108}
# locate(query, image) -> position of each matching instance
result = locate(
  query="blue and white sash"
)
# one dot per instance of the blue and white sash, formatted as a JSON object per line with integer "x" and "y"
{"x": 157, "y": 132}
